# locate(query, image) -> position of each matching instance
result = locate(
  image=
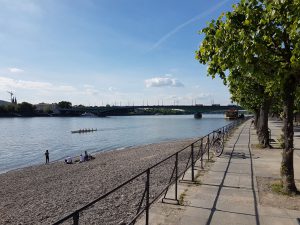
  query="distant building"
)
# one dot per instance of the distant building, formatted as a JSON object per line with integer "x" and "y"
{"x": 3, "y": 103}
{"x": 14, "y": 101}
{"x": 46, "y": 107}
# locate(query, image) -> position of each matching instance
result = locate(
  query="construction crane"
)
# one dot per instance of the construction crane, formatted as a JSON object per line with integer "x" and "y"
{"x": 11, "y": 94}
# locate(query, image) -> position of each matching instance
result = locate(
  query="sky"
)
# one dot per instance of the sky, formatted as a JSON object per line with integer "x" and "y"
{"x": 98, "y": 52}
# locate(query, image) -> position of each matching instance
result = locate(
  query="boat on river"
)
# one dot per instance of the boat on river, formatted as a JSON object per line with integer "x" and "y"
{"x": 88, "y": 114}
{"x": 231, "y": 114}
{"x": 198, "y": 115}
{"x": 83, "y": 131}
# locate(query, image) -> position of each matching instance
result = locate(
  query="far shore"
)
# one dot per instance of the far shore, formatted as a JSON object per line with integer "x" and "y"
{"x": 42, "y": 194}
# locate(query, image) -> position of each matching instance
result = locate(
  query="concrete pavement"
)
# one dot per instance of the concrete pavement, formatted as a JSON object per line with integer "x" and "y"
{"x": 228, "y": 193}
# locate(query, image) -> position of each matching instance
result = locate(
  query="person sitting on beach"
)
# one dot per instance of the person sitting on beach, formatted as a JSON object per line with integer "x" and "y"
{"x": 81, "y": 158}
{"x": 68, "y": 160}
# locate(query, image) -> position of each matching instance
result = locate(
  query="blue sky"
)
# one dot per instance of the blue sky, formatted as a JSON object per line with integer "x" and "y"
{"x": 96, "y": 52}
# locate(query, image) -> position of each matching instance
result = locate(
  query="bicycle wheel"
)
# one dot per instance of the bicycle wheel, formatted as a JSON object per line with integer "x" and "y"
{"x": 218, "y": 147}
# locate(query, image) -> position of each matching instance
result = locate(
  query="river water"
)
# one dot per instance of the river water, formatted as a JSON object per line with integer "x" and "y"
{"x": 23, "y": 141}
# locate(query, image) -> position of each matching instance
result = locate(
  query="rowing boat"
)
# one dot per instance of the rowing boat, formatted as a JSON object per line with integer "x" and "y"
{"x": 83, "y": 131}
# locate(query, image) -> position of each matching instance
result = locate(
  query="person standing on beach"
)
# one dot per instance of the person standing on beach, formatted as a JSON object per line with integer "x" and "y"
{"x": 47, "y": 156}
{"x": 86, "y": 156}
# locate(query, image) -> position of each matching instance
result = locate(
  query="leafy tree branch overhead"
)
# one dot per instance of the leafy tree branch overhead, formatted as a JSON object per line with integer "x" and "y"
{"x": 258, "y": 42}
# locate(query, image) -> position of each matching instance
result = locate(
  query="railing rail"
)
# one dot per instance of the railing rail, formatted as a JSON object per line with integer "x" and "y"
{"x": 203, "y": 145}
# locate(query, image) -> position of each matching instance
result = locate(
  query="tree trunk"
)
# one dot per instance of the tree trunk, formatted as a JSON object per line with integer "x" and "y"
{"x": 262, "y": 131}
{"x": 287, "y": 163}
{"x": 256, "y": 118}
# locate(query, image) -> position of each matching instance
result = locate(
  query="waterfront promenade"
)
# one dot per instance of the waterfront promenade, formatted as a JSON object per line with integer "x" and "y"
{"x": 232, "y": 190}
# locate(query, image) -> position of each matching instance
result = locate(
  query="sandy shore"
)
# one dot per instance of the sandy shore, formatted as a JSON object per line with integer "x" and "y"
{"x": 44, "y": 194}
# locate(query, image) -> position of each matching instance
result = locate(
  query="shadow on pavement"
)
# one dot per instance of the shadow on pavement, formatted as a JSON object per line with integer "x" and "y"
{"x": 233, "y": 155}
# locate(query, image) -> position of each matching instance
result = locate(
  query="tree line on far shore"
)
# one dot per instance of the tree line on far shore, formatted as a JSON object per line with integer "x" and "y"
{"x": 28, "y": 109}
{"x": 255, "y": 49}
{"x": 24, "y": 109}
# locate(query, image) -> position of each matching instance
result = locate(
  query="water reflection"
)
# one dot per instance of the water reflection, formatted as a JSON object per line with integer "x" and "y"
{"x": 23, "y": 141}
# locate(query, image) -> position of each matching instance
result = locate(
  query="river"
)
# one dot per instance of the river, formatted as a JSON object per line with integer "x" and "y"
{"x": 23, "y": 141}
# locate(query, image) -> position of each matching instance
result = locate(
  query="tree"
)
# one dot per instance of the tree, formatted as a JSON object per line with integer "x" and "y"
{"x": 3, "y": 110}
{"x": 261, "y": 39}
{"x": 252, "y": 96}
{"x": 223, "y": 48}
{"x": 65, "y": 105}
{"x": 10, "y": 108}
{"x": 26, "y": 109}
{"x": 297, "y": 101}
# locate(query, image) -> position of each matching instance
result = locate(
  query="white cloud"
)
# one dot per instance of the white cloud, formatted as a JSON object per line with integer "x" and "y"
{"x": 90, "y": 90}
{"x": 9, "y": 84}
{"x": 24, "y": 6}
{"x": 65, "y": 88}
{"x": 88, "y": 86}
{"x": 112, "y": 89}
{"x": 163, "y": 82}
{"x": 15, "y": 70}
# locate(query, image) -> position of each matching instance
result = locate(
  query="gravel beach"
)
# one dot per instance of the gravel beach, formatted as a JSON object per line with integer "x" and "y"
{"x": 44, "y": 194}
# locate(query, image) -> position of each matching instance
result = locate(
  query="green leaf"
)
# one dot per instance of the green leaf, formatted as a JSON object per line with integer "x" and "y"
{"x": 246, "y": 22}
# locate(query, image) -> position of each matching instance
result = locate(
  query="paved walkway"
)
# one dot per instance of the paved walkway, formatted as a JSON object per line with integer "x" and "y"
{"x": 228, "y": 193}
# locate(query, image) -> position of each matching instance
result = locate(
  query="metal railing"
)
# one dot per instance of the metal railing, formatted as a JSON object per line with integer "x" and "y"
{"x": 150, "y": 185}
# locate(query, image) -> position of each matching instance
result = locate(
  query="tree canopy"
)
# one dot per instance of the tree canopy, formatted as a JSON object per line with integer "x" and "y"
{"x": 258, "y": 41}
{"x": 65, "y": 105}
{"x": 26, "y": 108}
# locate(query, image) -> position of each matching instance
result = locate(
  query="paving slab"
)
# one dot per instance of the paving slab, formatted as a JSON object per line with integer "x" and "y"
{"x": 232, "y": 217}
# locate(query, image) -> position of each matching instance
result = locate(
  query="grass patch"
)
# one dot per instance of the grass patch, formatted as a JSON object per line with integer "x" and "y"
{"x": 258, "y": 146}
{"x": 197, "y": 178}
{"x": 198, "y": 175}
{"x": 277, "y": 188}
{"x": 281, "y": 141}
{"x": 281, "y": 145}
{"x": 181, "y": 197}
{"x": 271, "y": 193}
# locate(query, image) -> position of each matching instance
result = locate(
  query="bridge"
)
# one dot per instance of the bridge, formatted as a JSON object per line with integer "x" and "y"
{"x": 195, "y": 108}
{"x": 125, "y": 110}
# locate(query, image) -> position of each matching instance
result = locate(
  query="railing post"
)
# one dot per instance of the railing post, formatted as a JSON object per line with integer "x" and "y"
{"x": 193, "y": 165}
{"x": 227, "y": 131}
{"x": 147, "y": 196}
{"x": 76, "y": 218}
{"x": 223, "y": 134}
{"x": 208, "y": 146}
{"x": 201, "y": 147}
{"x": 176, "y": 175}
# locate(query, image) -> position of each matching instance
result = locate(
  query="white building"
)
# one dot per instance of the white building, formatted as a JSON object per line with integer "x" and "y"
{"x": 46, "y": 107}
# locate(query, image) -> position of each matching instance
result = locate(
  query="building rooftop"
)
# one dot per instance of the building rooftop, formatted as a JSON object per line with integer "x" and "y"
{"x": 4, "y": 102}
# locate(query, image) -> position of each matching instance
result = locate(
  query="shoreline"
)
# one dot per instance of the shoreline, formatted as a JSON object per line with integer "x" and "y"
{"x": 95, "y": 153}
{"x": 42, "y": 194}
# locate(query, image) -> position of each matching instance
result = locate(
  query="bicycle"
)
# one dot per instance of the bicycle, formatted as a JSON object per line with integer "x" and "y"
{"x": 218, "y": 144}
